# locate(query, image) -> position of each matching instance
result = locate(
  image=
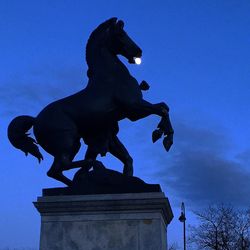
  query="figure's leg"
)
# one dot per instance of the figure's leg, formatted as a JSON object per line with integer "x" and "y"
{"x": 117, "y": 149}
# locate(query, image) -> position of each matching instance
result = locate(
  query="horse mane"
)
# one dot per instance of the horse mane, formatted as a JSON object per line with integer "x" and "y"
{"x": 97, "y": 37}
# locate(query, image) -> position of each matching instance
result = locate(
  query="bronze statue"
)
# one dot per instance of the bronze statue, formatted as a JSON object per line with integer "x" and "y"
{"x": 93, "y": 113}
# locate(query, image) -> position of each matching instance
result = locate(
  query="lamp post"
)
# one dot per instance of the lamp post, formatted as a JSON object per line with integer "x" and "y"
{"x": 182, "y": 219}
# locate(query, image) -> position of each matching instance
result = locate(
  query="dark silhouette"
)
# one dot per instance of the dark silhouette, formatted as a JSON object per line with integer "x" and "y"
{"x": 102, "y": 181}
{"x": 92, "y": 114}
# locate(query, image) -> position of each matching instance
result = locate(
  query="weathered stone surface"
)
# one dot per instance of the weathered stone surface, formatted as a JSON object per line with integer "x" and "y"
{"x": 103, "y": 181}
{"x": 97, "y": 222}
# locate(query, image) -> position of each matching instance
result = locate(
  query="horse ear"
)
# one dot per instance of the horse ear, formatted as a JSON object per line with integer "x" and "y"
{"x": 113, "y": 20}
{"x": 120, "y": 24}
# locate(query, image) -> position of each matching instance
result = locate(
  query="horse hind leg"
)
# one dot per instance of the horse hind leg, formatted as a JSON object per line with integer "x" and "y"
{"x": 117, "y": 149}
{"x": 57, "y": 168}
{"x": 63, "y": 163}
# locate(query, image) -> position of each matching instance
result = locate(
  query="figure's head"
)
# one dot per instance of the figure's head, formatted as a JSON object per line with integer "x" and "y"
{"x": 120, "y": 43}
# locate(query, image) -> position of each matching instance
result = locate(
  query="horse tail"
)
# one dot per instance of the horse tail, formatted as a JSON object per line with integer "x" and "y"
{"x": 19, "y": 138}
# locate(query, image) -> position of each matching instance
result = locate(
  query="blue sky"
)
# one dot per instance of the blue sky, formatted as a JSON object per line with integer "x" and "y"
{"x": 196, "y": 57}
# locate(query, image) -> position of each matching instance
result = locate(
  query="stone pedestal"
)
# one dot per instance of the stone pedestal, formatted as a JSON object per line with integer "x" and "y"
{"x": 112, "y": 222}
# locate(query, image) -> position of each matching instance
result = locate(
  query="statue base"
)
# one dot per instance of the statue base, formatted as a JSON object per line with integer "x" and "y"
{"x": 135, "y": 221}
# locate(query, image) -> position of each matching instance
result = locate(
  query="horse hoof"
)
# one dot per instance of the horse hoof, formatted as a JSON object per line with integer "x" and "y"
{"x": 128, "y": 171}
{"x": 59, "y": 177}
{"x": 51, "y": 173}
{"x": 168, "y": 142}
{"x": 156, "y": 135}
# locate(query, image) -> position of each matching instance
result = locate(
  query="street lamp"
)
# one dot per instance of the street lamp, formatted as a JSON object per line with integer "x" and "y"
{"x": 182, "y": 219}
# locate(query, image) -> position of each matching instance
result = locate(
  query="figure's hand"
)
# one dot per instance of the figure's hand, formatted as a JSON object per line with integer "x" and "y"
{"x": 144, "y": 85}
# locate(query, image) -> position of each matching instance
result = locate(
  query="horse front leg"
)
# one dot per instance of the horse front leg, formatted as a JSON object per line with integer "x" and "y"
{"x": 164, "y": 128}
{"x": 144, "y": 109}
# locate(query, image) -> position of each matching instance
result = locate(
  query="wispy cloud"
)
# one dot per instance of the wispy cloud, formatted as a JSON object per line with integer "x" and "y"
{"x": 200, "y": 170}
{"x": 32, "y": 90}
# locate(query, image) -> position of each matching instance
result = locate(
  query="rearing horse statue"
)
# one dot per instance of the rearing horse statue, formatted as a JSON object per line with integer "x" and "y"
{"x": 93, "y": 113}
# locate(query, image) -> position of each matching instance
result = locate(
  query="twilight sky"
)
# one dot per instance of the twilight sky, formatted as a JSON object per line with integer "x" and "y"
{"x": 196, "y": 57}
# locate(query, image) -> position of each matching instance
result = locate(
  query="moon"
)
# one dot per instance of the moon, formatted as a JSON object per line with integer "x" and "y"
{"x": 137, "y": 60}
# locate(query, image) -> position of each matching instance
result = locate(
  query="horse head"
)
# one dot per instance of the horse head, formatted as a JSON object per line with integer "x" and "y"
{"x": 110, "y": 36}
{"x": 119, "y": 43}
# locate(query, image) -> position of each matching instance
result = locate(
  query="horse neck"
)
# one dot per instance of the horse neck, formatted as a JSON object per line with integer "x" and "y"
{"x": 103, "y": 63}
